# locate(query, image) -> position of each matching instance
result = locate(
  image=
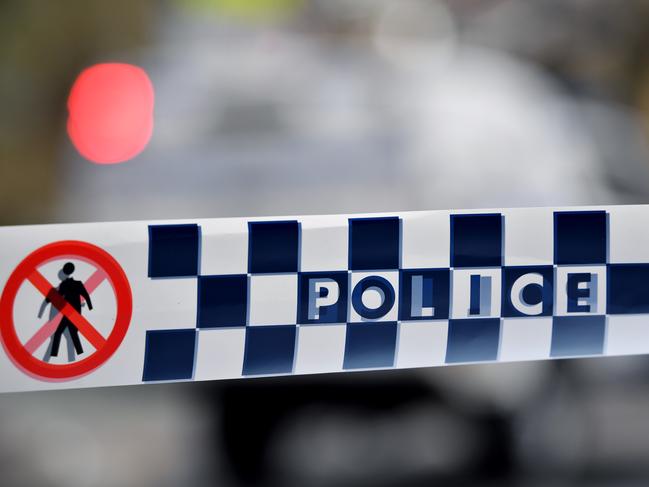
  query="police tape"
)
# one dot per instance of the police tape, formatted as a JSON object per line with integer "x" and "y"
{"x": 100, "y": 304}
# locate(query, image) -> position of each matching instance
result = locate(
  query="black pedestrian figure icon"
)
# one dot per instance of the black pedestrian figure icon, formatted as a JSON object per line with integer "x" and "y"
{"x": 72, "y": 291}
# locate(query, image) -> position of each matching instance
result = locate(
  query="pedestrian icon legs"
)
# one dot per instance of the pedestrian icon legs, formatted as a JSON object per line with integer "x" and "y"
{"x": 74, "y": 334}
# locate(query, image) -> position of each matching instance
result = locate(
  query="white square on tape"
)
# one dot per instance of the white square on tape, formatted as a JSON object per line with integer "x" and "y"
{"x": 219, "y": 353}
{"x": 628, "y": 235}
{"x": 422, "y": 343}
{"x": 320, "y": 348}
{"x": 165, "y": 303}
{"x": 627, "y": 334}
{"x": 324, "y": 244}
{"x": 425, "y": 240}
{"x": 525, "y": 338}
{"x": 272, "y": 299}
{"x": 224, "y": 247}
{"x": 529, "y": 236}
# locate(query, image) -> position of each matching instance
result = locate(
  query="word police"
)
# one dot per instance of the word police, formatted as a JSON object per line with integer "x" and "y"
{"x": 434, "y": 295}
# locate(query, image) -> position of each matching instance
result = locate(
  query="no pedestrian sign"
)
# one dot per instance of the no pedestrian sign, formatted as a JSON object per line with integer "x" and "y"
{"x": 65, "y": 313}
{"x": 98, "y": 304}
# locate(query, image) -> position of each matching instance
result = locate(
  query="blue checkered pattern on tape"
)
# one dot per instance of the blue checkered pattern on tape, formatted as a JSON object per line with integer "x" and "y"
{"x": 293, "y": 296}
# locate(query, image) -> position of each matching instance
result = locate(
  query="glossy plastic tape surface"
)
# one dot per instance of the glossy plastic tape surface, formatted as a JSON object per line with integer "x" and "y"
{"x": 98, "y": 304}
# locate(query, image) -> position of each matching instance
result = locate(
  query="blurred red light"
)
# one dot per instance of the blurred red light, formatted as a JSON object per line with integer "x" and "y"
{"x": 111, "y": 112}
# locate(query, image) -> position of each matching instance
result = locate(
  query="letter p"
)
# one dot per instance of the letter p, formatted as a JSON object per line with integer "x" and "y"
{"x": 323, "y": 292}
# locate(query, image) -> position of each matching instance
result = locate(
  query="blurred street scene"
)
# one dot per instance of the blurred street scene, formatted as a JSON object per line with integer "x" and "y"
{"x": 288, "y": 107}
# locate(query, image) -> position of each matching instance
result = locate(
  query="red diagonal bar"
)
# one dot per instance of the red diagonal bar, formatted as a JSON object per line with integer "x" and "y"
{"x": 45, "y": 331}
{"x": 83, "y": 325}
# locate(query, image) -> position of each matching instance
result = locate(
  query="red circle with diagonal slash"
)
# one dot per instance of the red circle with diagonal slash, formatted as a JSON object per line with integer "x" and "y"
{"x": 27, "y": 270}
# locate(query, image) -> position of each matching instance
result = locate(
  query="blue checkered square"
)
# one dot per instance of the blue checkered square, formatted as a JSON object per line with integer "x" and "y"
{"x": 370, "y": 345}
{"x": 578, "y": 335}
{"x": 580, "y": 237}
{"x": 169, "y": 354}
{"x": 628, "y": 289}
{"x": 173, "y": 250}
{"x": 273, "y": 246}
{"x": 476, "y": 240}
{"x": 473, "y": 340}
{"x": 269, "y": 350}
{"x": 222, "y": 301}
{"x": 374, "y": 243}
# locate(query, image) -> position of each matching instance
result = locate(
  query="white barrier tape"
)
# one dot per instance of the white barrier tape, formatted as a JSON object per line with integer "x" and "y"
{"x": 225, "y": 298}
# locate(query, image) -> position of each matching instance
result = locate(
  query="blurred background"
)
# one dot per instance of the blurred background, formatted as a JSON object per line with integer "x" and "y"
{"x": 273, "y": 107}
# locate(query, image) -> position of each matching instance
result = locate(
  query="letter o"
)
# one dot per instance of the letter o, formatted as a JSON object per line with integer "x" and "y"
{"x": 373, "y": 282}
